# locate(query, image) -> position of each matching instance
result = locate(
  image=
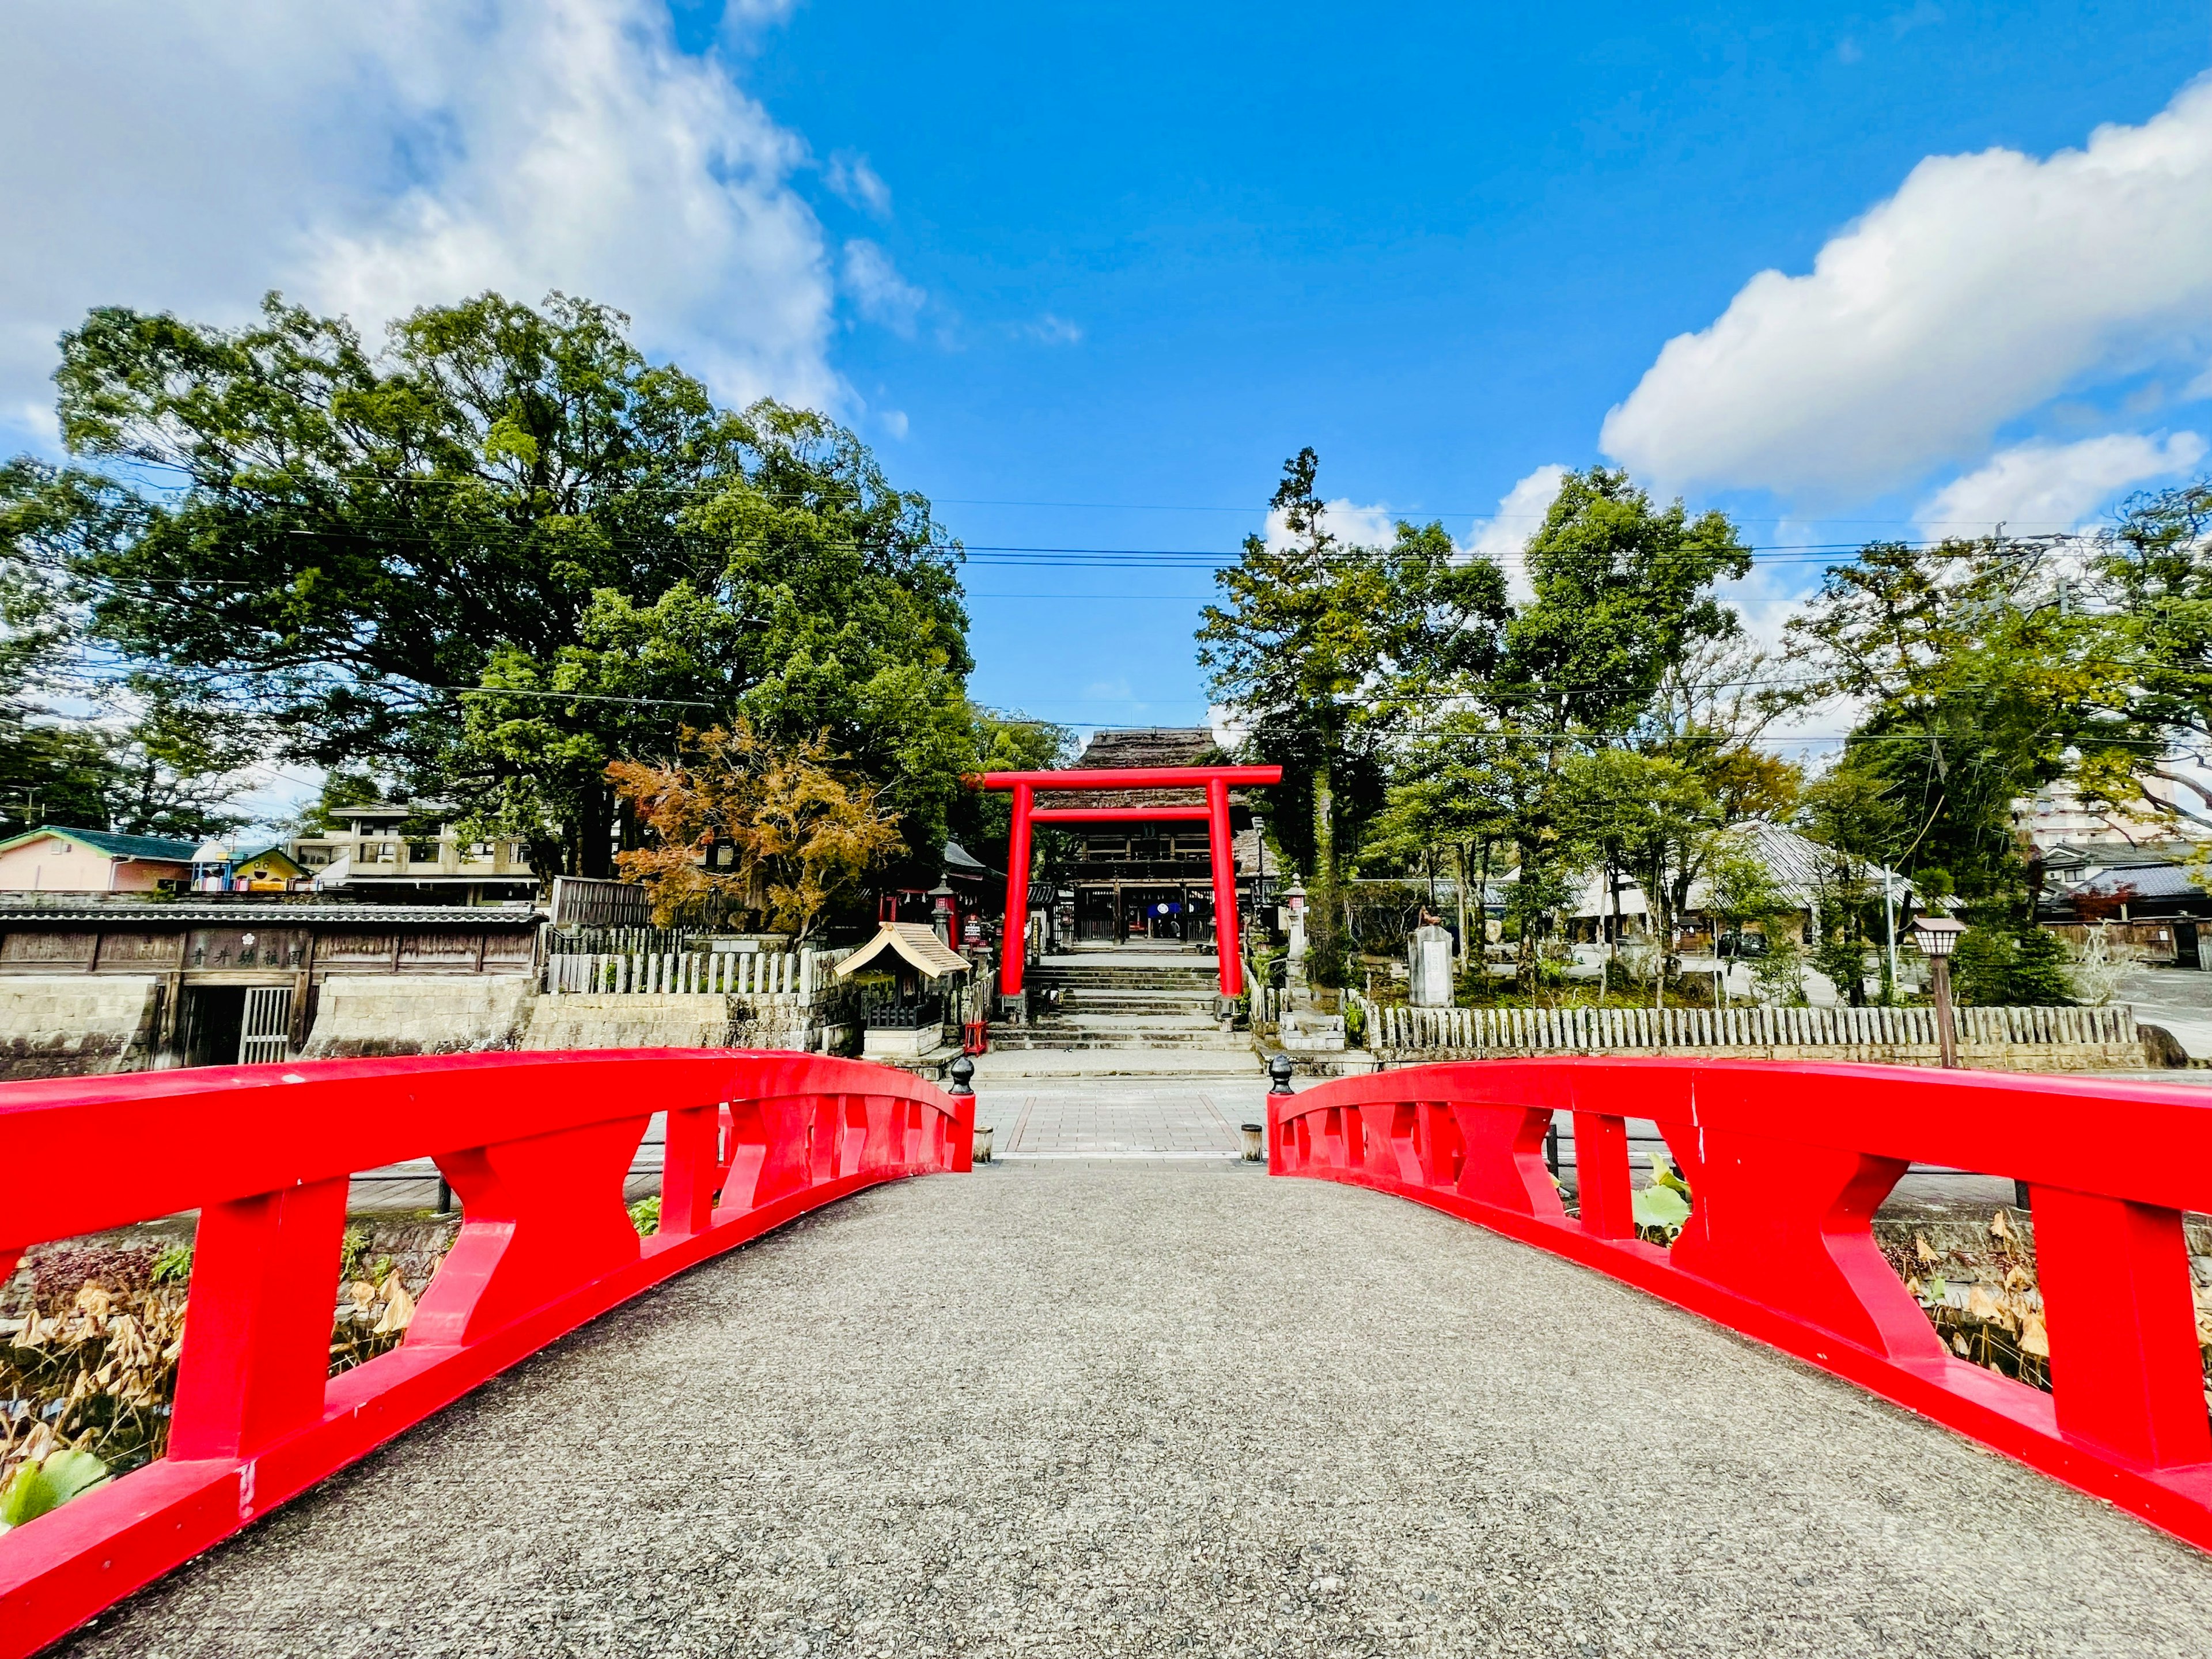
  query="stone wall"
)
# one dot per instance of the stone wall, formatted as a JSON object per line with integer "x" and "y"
{"x": 77, "y": 1024}
{"x": 418, "y": 1014}
{"x": 667, "y": 1019}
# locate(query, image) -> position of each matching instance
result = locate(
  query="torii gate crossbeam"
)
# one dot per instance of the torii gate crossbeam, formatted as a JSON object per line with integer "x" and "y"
{"x": 1215, "y": 782}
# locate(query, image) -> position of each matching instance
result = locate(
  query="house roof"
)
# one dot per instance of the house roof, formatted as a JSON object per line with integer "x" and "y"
{"x": 2114, "y": 855}
{"x": 916, "y": 942}
{"x": 2143, "y": 881}
{"x": 958, "y": 860}
{"x": 1795, "y": 863}
{"x": 912, "y": 941}
{"x": 115, "y": 846}
{"x": 273, "y": 850}
{"x": 146, "y": 914}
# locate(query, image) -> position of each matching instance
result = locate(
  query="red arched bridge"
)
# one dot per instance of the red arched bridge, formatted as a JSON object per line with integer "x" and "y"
{"x": 1104, "y": 1407}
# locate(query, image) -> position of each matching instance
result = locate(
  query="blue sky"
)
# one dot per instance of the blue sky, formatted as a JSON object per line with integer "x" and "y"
{"x": 1087, "y": 275}
{"x": 1438, "y": 250}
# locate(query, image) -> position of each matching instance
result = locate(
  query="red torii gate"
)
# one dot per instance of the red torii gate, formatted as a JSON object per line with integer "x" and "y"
{"x": 1214, "y": 780}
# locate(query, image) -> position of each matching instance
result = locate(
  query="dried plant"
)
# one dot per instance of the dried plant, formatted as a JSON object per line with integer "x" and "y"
{"x": 91, "y": 1366}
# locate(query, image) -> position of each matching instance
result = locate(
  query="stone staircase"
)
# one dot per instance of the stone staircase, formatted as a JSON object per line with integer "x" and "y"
{"x": 1124, "y": 997}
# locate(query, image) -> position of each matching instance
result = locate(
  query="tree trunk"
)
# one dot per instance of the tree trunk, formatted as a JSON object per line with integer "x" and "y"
{"x": 1324, "y": 921}
{"x": 1459, "y": 851}
{"x": 1527, "y": 962}
{"x": 1482, "y": 915}
{"x": 1613, "y": 890}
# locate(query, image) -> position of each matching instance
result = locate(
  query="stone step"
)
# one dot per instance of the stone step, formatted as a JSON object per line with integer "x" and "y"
{"x": 1134, "y": 1030}
{"x": 1131, "y": 1002}
{"x": 1002, "y": 1067}
{"x": 1025, "y": 1040}
{"x": 1125, "y": 981}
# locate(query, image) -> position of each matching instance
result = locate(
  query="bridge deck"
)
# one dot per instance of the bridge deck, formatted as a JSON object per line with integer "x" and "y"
{"x": 1077, "y": 1408}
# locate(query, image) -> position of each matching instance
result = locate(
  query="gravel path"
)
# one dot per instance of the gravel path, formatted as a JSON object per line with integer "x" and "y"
{"x": 1090, "y": 1409}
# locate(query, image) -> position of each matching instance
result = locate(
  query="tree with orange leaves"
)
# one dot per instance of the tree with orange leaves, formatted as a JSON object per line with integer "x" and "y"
{"x": 775, "y": 829}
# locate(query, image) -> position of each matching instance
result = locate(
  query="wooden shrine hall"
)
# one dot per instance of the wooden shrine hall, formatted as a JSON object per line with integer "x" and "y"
{"x": 1150, "y": 815}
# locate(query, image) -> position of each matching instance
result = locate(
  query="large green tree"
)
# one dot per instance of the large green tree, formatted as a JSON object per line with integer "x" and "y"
{"x": 1978, "y": 680}
{"x": 1318, "y": 644}
{"x": 492, "y": 556}
{"x": 2151, "y": 587}
{"x": 1621, "y": 596}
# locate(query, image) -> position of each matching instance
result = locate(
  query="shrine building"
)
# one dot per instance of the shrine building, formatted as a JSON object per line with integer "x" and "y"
{"x": 1166, "y": 855}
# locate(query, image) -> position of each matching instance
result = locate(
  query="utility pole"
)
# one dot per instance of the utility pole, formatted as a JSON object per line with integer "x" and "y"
{"x": 1889, "y": 923}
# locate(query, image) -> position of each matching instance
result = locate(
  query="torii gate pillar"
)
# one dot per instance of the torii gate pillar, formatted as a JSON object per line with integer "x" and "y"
{"x": 1213, "y": 781}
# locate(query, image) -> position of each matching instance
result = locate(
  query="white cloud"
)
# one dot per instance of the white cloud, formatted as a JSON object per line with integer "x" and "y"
{"x": 1521, "y": 512}
{"x": 188, "y": 155}
{"x": 1362, "y": 526}
{"x": 896, "y": 422}
{"x": 1986, "y": 285}
{"x": 852, "y": 177}
{"x": 1519, "y": 516}
{"x": 882, "y": 293}
{"x": 2035, "y": 488}
{"x": 1053, "y": 331}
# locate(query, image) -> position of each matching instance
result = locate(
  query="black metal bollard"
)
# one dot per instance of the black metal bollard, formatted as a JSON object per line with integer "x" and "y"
{"x": 963, "y": 1074}
{"x": 1280, "y": 1068}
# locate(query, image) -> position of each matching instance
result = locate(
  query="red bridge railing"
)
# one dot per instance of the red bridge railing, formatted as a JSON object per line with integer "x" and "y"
{"x": 1786, "y": 1165}
{"x": 537, "y": 1148}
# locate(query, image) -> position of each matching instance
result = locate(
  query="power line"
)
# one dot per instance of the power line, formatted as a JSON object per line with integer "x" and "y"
{"x": 712, "y": 490}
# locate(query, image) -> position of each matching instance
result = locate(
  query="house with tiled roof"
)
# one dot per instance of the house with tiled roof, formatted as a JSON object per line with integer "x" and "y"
{"x": 1798, "y": 868}
{"x": 56, "y": 859}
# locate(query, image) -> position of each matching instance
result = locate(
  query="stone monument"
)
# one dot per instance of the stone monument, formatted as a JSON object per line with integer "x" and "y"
{"x": 1429, "y": 955}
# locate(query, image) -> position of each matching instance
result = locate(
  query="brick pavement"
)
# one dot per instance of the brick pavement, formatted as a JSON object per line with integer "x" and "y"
{"x": 1102, "y": 1118}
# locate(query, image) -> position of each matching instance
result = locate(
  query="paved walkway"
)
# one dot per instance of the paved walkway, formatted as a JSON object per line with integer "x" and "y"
{"x": 1169, "y": 1118}
{"x": 1174, "y": 1408}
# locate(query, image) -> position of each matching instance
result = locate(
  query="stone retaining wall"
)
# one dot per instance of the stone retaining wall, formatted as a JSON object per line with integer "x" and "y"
{"x": 77, "y": 1024}
{"x": 417, "y": 1014}
{"x": 671, "y": 1019}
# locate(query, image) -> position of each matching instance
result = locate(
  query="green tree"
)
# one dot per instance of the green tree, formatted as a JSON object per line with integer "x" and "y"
{"x": 2152, "y": 586}
{"x": 1622, "y": 596}
{"x": 497, "y": 554}
{"x": 1321, "y": 647}
{"x": 1742, "y": 893}
{"x": 176, "y": 770}
{"x": 51, "y": 771}
{"x": 982, "y": 819}
{"x": 1981, "y": 683}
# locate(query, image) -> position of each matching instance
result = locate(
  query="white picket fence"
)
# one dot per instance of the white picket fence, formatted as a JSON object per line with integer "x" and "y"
{"x": 1540, "y": 1030}
{"x": 797, "y": 974}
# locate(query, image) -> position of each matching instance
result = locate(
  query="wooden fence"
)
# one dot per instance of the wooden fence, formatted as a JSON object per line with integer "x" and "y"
{"x": 585, "y": 902}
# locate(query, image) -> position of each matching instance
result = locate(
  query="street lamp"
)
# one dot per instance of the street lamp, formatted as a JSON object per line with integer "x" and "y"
{"x": 1937, "y": 936}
